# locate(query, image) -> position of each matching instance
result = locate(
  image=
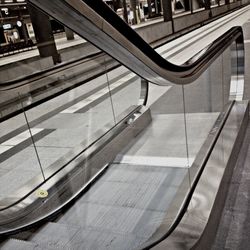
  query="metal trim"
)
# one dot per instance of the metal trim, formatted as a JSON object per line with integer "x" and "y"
{"x": 144, "y": 92}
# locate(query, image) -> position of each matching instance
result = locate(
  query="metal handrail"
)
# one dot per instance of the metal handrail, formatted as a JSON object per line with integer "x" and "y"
{"x": 100, "y": 25}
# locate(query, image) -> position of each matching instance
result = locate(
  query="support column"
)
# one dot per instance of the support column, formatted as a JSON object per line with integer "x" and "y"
{"x": 69, "y": 33}
{"x": 207, "y": 4}
{"x": 149, "y": 8}
{"x": 25, "y": 33}
{"x": 43, "y": 33}
{"x": 125, "y": 11}
{"x": 167, "y": 10}
{"x": 133, "y": 6}
{"x": 156, "y": 7}
{"x": 23, "y": 26}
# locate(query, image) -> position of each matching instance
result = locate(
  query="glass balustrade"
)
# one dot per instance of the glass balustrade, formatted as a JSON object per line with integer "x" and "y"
{"x": 55, "y": 115}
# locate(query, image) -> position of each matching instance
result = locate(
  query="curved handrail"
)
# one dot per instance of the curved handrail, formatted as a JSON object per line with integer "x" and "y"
{"x": 100, "y": 25}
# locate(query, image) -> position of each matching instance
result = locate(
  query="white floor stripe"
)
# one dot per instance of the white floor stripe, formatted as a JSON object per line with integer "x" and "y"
{"x": 4, "y": 148}
{"x": 157, "y": 161}
{"x": 21, "y": 137}
{"x": 97, "y": 95}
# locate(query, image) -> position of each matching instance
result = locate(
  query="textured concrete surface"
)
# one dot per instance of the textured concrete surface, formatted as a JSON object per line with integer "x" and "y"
{"x": 234, "y": 227}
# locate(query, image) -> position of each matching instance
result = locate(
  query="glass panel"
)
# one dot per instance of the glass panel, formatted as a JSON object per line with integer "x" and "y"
{"x": 205, "y": 99}
{"x": 230, "y": 81}
{"x": 69, "y": 45}
{"x": 19, "y": 163}
{"x": 67, "y": 106}
{"x": 236, "y": 88}
{"x": 125, "y": 87}
{"x": 73, "y": 120}
{"x": 146, "y": 183}
{"x": 149, "y": 178}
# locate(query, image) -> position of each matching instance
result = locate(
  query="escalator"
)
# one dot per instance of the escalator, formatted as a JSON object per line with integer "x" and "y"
{"x": 131, "y": 164}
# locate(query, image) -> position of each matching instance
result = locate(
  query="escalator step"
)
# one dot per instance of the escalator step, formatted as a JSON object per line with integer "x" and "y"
{"x": 97, "y": 239}
{"x": 19, "y": 244}
{"x": 54, "y": 235}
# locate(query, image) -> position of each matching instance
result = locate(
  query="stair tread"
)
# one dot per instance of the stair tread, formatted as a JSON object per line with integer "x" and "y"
{"x": 11, "y": 244}
{"x": 54, "y": 235}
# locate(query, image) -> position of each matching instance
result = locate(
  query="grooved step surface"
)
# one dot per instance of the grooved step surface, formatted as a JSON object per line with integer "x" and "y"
{"x": 54, "y": 236}
{"x": 13, "y": 244}
{"x": 124, "y": 208}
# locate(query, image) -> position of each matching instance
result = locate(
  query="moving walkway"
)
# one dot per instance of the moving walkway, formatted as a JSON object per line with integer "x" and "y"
{"x": 124, "y": 175}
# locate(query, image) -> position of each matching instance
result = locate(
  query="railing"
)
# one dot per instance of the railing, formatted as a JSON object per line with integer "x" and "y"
{"x": 29, "y": 101}
{"x": 69, "y": 125}
{"x": 101, "y": 26}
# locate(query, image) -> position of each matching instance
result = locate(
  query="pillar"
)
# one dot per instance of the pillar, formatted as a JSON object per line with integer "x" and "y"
{"x": 207, "y": 4}
{"x": 149, "y": 8}
{"x": 125, "y": 11}
{"x": 133, "y": 4}
{"x": 69, "y": 33}
{"x": 43, "y": 33}
{"x": 167, "y": 10}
